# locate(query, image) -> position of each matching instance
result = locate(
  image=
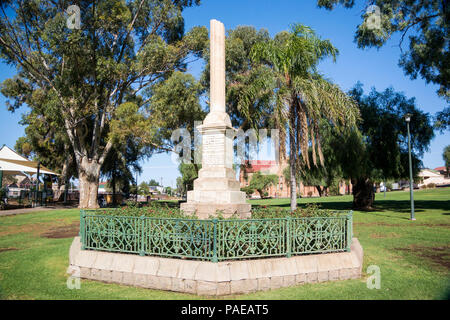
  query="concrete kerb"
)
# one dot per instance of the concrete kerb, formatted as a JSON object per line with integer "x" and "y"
{"x": 208, "y": 278}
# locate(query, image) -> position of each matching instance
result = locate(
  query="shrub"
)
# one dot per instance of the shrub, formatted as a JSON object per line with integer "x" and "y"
{"x": 248, "y": 190}
{"x": 2, "y": 193}
{"x": 334, "y": 190}
{"x": 310, "y": 210}
{"x": 431, "y": 185}
{"x": 158, "y": 210}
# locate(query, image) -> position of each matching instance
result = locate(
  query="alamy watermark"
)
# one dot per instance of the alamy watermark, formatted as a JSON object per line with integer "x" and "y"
{"x": 216, "y": 147}
{"x": 373, "y": 19}
{"x": 74, "y": 19}
{"x": 373, "y": 281}
{"x": 74, "y": 281}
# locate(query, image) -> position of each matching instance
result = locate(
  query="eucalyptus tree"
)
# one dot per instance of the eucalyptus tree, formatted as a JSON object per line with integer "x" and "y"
{"x": 425, "y": 23}
{"x": 46, "y": 142}
{"x": 442, "y": 120}
{"x": 302, "y": 97}
{"x": 121, "y": 164}
{"x": 94, "y": 76}
{"x": 378, "y": 150}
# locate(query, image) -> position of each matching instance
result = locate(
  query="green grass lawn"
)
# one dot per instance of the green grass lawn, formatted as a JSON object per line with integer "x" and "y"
{"x": 413, "y": 256}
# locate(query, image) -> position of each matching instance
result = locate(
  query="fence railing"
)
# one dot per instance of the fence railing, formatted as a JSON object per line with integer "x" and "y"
{"x": 215, "y": 239}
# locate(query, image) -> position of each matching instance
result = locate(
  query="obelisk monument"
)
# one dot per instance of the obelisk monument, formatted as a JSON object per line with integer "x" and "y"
{"x": 216, "y": 188}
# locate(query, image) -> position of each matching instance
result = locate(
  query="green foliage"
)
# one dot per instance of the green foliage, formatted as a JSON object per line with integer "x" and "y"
{"x": 378, "y": 149}
{"x": 170, "y": 191}
{"x": 388, "y": 185}
{"x": 173, "y": 104}
{"x": 446, "y": 156}
{"x": 89, "y": 89}
{"x": 23, "y": 147}
{"x": 301, "y": 96}
{"x": 153, "y": 183}
{"x": 442, "y": 120}
{"x": 248, "y": 190}
{"x": 385, "y": 134}
{"x": 425, "y": 22}
{"x": 143, "y": 188}
{"x": 2, "y": 193}
{"x": 189, "y": 172}
{"x": 132, "y": 209}
{"x": 260, "y": 182}
{"x": 310, "y": 210}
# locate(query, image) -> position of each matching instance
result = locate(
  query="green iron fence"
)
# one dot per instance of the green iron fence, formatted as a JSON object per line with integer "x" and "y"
{"x": 215, "y": 239}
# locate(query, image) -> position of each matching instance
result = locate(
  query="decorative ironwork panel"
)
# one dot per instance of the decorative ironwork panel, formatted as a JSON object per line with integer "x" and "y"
{"x": 111, "y": 233}
{"x": 217, "y": 239}
{"x": 180, "y": 238}
{"x": 316, "y": 235}
{"x": 237, "y": 239}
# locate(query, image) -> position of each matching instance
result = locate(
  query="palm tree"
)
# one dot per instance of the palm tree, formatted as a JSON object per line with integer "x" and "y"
{"x": 302, "y": 97}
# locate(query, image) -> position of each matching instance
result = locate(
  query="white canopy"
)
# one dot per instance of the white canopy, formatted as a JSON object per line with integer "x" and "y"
{"x": 13, "y": 163}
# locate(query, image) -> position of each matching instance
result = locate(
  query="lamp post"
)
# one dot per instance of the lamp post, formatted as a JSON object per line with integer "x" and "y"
{"x": 408, "y": 119}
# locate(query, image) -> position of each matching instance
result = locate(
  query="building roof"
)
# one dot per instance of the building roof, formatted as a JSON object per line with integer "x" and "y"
{"x": 429, "y": 173}
{"x": 252, "y": 166}
{"x": 440, "y": 169}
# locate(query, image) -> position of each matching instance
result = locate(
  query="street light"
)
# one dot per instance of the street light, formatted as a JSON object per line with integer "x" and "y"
{"x": 408, "y": 120}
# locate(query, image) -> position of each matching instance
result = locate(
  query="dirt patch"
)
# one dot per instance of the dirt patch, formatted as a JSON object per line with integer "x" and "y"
{"x": 67, "y": 231}
{"x": 34, "y": 228}
{"x": 384, "y": 235}
{"x": 7, "y": 249}
{"x": 436, "y": 255}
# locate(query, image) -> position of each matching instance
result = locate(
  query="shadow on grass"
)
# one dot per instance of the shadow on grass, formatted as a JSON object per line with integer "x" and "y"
{"x": 402, "y": 206}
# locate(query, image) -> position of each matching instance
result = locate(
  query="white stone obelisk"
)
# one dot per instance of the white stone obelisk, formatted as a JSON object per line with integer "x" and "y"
{"x": 216, "y": 188}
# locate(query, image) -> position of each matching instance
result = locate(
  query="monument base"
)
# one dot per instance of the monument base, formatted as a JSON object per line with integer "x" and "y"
{"x": 208, "y": 210}
{"x": 210, "y": 278}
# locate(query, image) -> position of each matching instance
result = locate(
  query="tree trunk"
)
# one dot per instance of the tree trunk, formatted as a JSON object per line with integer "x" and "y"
{"x": 261, "y": 193}
{"x": 292, "y": 157}
{"x": 363, "y": 195}
{"x": 88, "y": 175}
{"x": 113, "y": 180}
{"x": 319, "y": 189}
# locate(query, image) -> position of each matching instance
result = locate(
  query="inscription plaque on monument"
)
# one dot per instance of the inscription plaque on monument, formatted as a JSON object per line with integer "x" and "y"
{"x": 213, "y": 150}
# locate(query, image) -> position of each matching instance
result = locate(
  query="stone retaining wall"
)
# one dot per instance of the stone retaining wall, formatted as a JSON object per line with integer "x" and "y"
{"x": 208, "y": 278}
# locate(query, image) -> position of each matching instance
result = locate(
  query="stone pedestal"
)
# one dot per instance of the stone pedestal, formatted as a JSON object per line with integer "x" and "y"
{"x": 216, "y": 188}
{"x": 210, "y": 278}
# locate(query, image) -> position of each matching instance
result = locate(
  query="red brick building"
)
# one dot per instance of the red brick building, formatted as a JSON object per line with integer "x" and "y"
{"x": 282, "y": 188}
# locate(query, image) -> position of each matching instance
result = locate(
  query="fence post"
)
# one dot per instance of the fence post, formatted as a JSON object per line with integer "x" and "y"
{"x": 349, "y": 229}
{"x": 82, "y": 229}
{"x": 214, "y": 257}
{"x": 142, "y": 235}
{"x": 288, "y": 237}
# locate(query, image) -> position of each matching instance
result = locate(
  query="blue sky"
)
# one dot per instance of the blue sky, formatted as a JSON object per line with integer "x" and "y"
{"x": 374, "y": 68}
